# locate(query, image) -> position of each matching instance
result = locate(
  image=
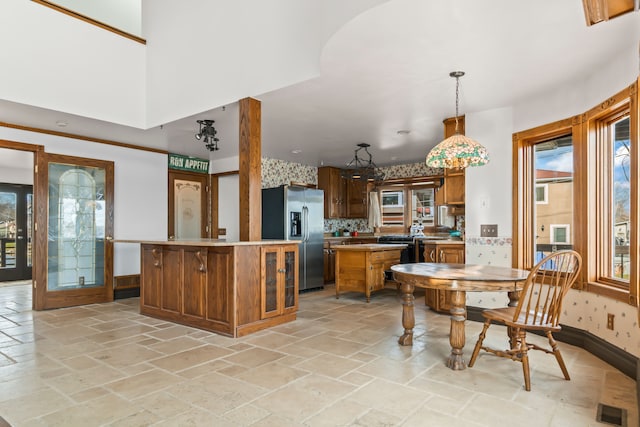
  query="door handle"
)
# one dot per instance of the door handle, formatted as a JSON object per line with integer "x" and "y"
{"x": 109, "y": 239}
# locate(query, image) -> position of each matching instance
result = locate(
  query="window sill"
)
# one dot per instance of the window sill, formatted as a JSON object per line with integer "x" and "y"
{"x": 611, "y": 292}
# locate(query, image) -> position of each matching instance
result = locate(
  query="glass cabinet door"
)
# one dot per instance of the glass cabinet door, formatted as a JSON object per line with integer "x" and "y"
{"x": 270, "y": 283}
{"x": 290, "y": 267}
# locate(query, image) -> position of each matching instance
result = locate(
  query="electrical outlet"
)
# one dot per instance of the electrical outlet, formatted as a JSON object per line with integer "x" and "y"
{"x": 81, "y": 280}
{"x": 489, "y": 230}
{"x": 610, "y": 317}
{"x": 222, "y": 231}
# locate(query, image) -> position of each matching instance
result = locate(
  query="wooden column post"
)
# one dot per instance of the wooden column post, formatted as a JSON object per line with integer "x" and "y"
{"x": 250, "y": 171}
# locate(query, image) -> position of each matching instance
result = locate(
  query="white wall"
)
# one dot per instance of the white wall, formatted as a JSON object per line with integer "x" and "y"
{"x": 17, "y": 175}
{"x": 140, "y": 190}
{"x": 125, "y": 15}
{"x": 229, "y": 206}
{"x": 486, "y": 186}
{"x": 275, "y": 44}
{"x": 70, "y": 65}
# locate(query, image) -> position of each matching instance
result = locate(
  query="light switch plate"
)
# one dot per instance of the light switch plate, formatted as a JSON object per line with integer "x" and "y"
{"x": 489, "y": 230}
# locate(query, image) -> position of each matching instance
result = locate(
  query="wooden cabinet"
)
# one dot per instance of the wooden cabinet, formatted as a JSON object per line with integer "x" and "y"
{"x": 343, "y": 198}
{"x": 279, "y": 280}
{"x": 230, "y": 289}
{"x": 334, "y": 186}
{"x": 452, "y": 253}
{"x": 454, "y": 179}
{"x": 356, "y": 198}
{"x": 330, "y": 254}
{"x": 361, "y": 268}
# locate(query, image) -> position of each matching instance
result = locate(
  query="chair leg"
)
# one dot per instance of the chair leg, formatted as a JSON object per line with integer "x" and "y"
{"x": 556, "y": 352}
{"x": 478, "y": 346}
{"x": 523, "y": 351}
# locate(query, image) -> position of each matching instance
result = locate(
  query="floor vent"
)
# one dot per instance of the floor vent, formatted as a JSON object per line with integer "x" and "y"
{"x": 611, "y": 415}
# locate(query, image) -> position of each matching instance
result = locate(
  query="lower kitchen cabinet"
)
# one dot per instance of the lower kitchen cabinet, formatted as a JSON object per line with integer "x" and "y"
{"x": 231, "y": 289}
{"x": 279, "y": 280}
{"x": 452, "y": 253}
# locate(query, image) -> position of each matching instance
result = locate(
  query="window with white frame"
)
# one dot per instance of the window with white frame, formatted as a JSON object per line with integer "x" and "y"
{"x": 560, "y": 233}
{"x": 542, "y": 191}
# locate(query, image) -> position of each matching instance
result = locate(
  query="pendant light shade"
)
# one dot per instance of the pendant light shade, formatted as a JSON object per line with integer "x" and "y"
{"x": 457, "y": 151}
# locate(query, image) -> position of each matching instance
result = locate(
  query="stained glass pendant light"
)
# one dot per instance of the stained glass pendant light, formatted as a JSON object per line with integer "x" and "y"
{"x": 457, "y": 151}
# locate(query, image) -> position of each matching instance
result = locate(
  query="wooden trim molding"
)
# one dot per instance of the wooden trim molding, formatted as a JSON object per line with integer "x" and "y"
{"x": 91, "y": 21}
{"x": 82, "y": 137}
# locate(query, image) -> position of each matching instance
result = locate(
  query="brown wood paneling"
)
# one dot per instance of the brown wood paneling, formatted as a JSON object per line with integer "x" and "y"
{"x": 247, "y": 266}
{"x": 194, "y": 281}
{"x": 126, "y": 282}
{"x": 151, "y": 274}
{"x": 250, "y": 171}
{"x": 220, "y": 285}
{"x": 171, "y": 279}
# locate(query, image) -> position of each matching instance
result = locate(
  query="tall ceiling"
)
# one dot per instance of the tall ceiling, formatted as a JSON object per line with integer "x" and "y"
{"x": 387, "y": 70}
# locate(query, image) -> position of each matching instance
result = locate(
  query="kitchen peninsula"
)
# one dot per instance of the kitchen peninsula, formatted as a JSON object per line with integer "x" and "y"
{"x": 231, "y": 288}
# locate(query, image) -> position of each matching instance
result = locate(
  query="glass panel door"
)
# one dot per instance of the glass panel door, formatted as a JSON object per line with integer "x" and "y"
{"x": 78, "y": 226}
{"x": 15, "y": 231}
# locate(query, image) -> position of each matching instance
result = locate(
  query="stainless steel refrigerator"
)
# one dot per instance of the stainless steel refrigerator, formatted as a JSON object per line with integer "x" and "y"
{"x": 297, "y": 213}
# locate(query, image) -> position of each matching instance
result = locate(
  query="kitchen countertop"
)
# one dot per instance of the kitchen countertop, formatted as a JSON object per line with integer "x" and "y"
{"x": 206, "y": 242}
{"x": 371, "y": 247}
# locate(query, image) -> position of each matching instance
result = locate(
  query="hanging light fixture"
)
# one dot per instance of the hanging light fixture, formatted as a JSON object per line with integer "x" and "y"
{"x": 457, "y": 151}
{"x": 208, "y": 134}
{"x": 363, "y": 169}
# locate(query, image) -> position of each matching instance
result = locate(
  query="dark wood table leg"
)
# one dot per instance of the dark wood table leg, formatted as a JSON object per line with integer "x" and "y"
{"x": 456, "y": 333}
{"x": 408, "y": 317}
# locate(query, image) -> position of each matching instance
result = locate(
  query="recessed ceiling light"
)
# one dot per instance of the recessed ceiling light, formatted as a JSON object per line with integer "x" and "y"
{"x": 296, "y": 151}
{"x": 61, "y": 123}
{"x": 403, "y": 132}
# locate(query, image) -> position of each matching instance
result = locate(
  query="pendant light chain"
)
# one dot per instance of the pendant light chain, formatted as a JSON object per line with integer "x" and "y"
{"x": 457, "y": 92}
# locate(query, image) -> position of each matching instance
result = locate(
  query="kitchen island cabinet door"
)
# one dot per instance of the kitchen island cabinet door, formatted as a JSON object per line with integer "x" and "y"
{"x": 151, "y": 271}
{"x": 219, "y": 293}
{"x": 279, "y": 280}
{"x": 194, "y": 282}
{"x": 171, "y": 283}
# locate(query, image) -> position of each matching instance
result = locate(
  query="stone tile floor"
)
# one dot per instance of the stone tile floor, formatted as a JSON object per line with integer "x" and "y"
{"x": 339, "y": 364}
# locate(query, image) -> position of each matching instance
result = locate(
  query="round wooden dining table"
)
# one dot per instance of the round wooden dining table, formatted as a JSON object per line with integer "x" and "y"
{"x": 459, "y": 279}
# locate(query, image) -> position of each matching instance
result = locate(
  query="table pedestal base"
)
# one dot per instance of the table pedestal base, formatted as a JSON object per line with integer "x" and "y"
{"x": 408, "y": 317}
{"x": 456, "y": 331}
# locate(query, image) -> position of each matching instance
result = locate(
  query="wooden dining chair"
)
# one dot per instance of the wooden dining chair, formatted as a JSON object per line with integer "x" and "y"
{"x": 538, "y": 309}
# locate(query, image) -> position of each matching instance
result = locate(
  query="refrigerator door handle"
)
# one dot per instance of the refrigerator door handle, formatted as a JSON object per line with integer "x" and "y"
{"x": 305, "y": 223}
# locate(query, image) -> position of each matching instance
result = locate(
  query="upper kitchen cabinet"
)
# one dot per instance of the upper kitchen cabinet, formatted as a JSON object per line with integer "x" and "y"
{"x": 356, "y": 198}
{"x": 343, "y": 198}
{"x": 454, "y": 179}
{"x": 334, "y": 186}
